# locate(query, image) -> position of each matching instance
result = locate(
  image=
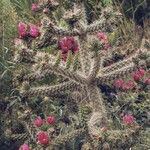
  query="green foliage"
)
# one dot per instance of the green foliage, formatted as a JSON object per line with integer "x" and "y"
{"x": 8, "y": 22}
{"x": 107, "y": 2}
{"x": 130, "y": 7}
{"x": 8, "y": 19}
{"x": 103, "y": 2}
{"x": 23, "y": 9}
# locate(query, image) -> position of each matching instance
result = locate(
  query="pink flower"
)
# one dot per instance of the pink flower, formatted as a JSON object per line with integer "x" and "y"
{"x": 119, "y": 83}
{"x": 104, "y": 40}
{"x": 142, "y": 72}
{"x": 38, "y": 122}
{"x": 43, "y": 138}
{"x": 68, "y": 43}
{"x": 147, "y": 81}
{"x": 137, "y": 75}
{"x": 24, "y": 147}
{"x": 51, "y": 120}
{"x": 102, "y": 37}
{"x": 128, "y": 119}
{"x": 35, "y": 7}
{"x": 125, "y": 87}
{"x": 22, "y": 29}
{"x": 34, "y": 31}
{"x": 129, "y": 85}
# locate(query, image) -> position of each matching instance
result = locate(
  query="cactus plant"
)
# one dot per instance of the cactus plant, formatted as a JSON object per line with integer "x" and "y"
{"x": 77, "y": 77}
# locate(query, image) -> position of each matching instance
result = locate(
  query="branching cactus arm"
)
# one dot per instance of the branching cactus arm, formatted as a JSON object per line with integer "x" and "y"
{"x": 60, "y": 140}
{"x": 125, "y": 71}
{"x": 84, "y": 56}
{"x": 95, "y": 27}
{"x": 51, "y": 90}
{"x": 67, "y": 74}
{"x": 120, "y": 64}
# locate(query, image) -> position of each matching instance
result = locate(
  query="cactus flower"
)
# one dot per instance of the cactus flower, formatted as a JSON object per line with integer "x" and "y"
{"x": 142, "y": 72}
{"x": 137, "y": 75}
{"x": 102, "y": 37}
{"x": 129, "y": 85}
{"x": 24, "y": 147}
{"x": 22, "y": 29}
{"x": 68, "y": 43}
{"x": 35, "y": 7}
{"x": 34, "y": 31}
{"x": 128, "y": 119}
{"x": 38, "y": 122}
{"x": 51, "y": 120}
{"x": 42, "y": 138}
{"x": 119, "y": 83}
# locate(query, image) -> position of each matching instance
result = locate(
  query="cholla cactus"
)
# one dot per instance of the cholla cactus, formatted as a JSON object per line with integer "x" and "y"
{"x": 80, "y": 74}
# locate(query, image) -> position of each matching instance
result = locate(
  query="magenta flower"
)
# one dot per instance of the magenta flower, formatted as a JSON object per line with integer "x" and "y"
{"x": 129, "y": 85}
{"x": 22, "y": 29}
{"x": 142, "y": 72}
{"x": 68, "y": 43}
{"x": 119, "y": 83}
{"x": 34, "y": 31}
{"x": 24, "y": 147}
{"x": 128, "y": 119}
{"x": 43, "y": 138}
{"x": 51, "y": 120}
{"x": 104, "y": 40}
{"x": 35, "y": 7}
{"x": 137, "y": 75}
{"x": 125, "y": 87}
{"x": 102, "y": 37}
{"x": 38, "y": 122}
